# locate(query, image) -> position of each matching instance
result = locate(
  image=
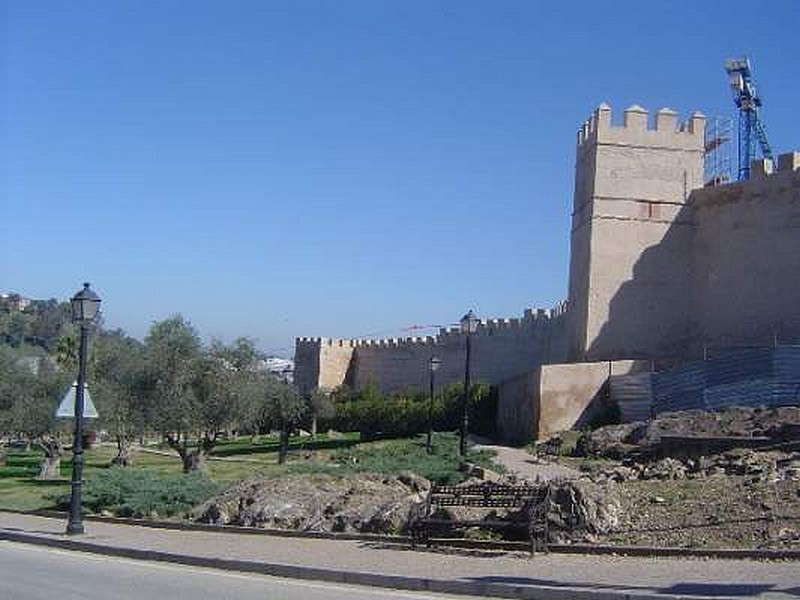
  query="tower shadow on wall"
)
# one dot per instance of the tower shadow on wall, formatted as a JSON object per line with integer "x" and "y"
{"x": 649, "y": 315}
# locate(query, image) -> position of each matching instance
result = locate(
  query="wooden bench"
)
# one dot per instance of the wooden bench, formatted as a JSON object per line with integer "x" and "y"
{"x": 530, "y": 502}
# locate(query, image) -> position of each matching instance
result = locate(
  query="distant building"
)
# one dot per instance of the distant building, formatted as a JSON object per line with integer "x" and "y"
{"x": 12, "y": 302}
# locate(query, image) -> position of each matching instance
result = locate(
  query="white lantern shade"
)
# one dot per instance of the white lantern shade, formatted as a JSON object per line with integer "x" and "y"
{"x": 85, "y": 305}
{"x": 469, "y": 323}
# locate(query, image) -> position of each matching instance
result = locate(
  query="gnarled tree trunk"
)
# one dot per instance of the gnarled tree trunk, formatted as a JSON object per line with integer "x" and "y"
{"x": 193, "y": 461}
{"x": 193, "y": 458}
{"x": 124, "y": 457}
{"x": 51, "y": 463}
{"x": 283, "y": 444}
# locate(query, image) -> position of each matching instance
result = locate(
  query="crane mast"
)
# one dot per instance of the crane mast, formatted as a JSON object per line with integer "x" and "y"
{"x": 751, "y": 128}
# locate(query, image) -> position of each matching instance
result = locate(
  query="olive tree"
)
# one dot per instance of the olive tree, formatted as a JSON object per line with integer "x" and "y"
{"x": 121, "y": 385}
{"x": 321, "y": 406}
{"x": 28, "y": 401}
{"x": 198, "y": 393}
{"x": 282, "y": 408}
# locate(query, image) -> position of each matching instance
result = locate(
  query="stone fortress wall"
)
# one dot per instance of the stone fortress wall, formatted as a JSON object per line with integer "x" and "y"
{"x": 660, "y": 268}
{"x": 501, "y": 349}
{"x": 746, "y": 259}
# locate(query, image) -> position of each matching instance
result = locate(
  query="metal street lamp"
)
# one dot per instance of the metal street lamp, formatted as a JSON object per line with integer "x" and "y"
{"x": 433, "y": 366}
{"x": 85, "y": 306}
{"x": 469, "y": 325}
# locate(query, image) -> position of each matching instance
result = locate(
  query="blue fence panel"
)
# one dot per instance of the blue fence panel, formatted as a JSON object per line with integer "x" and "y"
{"x": 786, "y": 363}
{"x": 751, "y": 363}
{"x": 742, "y": 377}
{"x": 752, "y": 393}
{"x": 785, "y": 393}
{"x": 679, "y": 389}
{"x": 633, "y": 395}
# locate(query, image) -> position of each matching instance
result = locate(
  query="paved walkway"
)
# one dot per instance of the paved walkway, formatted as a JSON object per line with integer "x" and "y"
{"x": 526, "y": 466}
{"x": 513, "y": 575}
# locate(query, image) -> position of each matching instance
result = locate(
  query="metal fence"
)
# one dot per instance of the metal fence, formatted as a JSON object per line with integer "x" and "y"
{"x": 745, "y": 377}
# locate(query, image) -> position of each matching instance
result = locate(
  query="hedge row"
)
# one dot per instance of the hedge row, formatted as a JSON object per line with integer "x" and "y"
{"x": 372, "y": 413}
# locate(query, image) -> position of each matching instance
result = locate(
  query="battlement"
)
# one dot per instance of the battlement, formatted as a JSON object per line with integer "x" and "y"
{"x": 762, "y": 167}
{"x": 765, "y": 180}
{"x": 322, "y": 342}
{"x": 531, "y": 319}
{"x": 639, "y": 129}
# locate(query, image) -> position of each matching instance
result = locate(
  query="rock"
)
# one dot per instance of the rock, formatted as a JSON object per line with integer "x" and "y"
{"x": 472, "y": 470}
{"x": 792, "y": 473}
{"x": 335, "y": 435}
{"x": 780, "y": 424}
{"x": 364, "y": 503}
{"x": 478, "y": 472}
{"x": 549, "y": 447}
{"x": 658, "y": 500}
{"x": 580, "y": 508}
{"x": 666, "y": 468}
{"x": 621, "y": 474}
{"x": 613, "y": 441}
{"x": 413, "y": 481}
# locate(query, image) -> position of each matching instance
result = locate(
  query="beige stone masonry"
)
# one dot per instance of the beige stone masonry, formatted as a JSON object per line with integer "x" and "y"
{"x": 789, "y": 161}
{"x": 760, "y": 168}
{"x": 667, "y": 132}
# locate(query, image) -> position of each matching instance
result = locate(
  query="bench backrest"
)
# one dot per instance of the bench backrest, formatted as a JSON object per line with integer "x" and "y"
{"x": 487, "y": 495}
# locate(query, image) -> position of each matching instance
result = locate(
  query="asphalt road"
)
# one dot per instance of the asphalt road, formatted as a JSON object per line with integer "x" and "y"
{"x": 35, "y": 573}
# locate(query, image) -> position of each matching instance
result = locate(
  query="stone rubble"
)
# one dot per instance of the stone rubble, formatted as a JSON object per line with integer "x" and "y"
{"x": 365, "y": 503}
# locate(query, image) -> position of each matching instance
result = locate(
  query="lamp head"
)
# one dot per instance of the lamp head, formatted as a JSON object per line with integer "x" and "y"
{"x": 469, "y": 323}
{"x": 434, "y": 364}
{"x": 85, "y": 305}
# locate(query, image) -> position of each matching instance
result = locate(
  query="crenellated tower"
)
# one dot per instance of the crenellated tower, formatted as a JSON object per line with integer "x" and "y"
{"x": 630, "y": 237}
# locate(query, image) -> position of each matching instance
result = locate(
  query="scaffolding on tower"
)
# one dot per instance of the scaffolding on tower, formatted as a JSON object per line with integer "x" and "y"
{"x": 717, "y": 160}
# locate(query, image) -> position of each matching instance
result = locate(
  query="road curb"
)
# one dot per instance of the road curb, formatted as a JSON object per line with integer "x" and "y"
{"x": 398, "y": 582}
{"x": 591, "y": 549}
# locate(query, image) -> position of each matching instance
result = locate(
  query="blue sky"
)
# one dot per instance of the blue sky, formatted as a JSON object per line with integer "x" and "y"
{"x": 274, "y": 169}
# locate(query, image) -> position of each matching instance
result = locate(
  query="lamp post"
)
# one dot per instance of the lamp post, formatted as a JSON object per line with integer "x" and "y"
{"x": 433, "y": 366}
{"x": 85, "y": 305}
{"x": 469, "y": 325}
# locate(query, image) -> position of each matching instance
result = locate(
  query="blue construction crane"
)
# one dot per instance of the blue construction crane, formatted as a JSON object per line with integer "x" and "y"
{"x": 750, "y": 126}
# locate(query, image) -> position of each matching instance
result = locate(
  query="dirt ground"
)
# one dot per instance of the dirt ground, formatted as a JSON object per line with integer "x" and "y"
{"x": 720, "y": 511}
{"x": 670, "y": 495}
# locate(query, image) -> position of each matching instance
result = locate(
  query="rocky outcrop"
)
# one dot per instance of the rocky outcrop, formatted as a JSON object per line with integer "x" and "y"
{"x": 581, "y": 510}
{"x": 733, "y": 426}
{"x": 364, "y": 503}
{"x": 613, "y": 441}
{"x": 740, "y": 462}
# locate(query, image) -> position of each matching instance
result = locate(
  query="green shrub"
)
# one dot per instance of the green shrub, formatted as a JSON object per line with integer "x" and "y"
{"x": 393, "y": 456}
{"x": 142, "y": 493}
{"x": 32, "y": 460}
{"x": 372, "y": 413}
{"x": 15, "y": 471}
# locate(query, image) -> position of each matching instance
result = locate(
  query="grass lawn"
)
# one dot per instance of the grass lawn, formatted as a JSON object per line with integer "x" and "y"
{"x": 241, "y": 458}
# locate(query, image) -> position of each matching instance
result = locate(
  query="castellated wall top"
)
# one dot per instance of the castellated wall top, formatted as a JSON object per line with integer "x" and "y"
{"x": 638, "y": 129}
{"x": 532, "y": 318}
{"x": 763, "y": 167}
{"x": 766, "y": 180}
